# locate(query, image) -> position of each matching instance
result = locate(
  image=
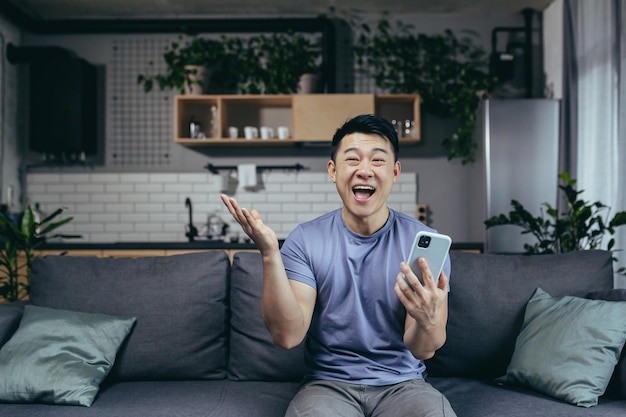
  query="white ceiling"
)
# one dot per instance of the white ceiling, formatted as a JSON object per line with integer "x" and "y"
{"x": 161, "y": 9}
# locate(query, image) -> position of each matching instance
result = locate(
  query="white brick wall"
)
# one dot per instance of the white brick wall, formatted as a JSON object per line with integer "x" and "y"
{"x": 150, "y": 207}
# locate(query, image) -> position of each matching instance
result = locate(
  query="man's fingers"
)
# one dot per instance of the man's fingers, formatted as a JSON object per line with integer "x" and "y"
{"x": 427, "y": 275}
{"x": 231, "y": 204}
{"x": 241, "y": 215}
{"x": 443, "y": 281}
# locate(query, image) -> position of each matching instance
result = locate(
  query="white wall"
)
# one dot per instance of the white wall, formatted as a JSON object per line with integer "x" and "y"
{"x": 150, "y": 207}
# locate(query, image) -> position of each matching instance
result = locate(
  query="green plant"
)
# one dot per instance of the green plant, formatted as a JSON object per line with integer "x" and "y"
{"x": 449, "y": 72}
{"x": 273, "y": 64}
{"x": 269, "y": 64}
{"x": 193, "y": 51}
{"x": 17, "y": 245}
{"x": 582, "y": 226}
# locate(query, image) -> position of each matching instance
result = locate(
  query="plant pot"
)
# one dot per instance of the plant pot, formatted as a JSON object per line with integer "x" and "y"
{"x": 198, "y": 80}
{"x": 308, "y": 83}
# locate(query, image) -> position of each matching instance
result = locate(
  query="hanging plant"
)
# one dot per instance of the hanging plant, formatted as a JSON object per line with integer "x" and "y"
{"x": 261, "y": 64}
{"x": 450, "y": 73}
{"x": 182, "y": 59}
{"x": 273, "y": 64}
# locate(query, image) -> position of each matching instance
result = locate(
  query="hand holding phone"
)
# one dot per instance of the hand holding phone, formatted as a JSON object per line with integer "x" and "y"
{"x": 434, "y": 248}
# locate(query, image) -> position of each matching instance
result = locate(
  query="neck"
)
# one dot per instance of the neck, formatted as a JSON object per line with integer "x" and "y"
{"x": 365, "y": 226}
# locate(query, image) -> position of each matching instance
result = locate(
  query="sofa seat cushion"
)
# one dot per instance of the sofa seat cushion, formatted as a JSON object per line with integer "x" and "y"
{"x": 253, "y": 355}
{"x": 488, "y": 296}
{"x": 471, "y": 397}
{"x": 222, "y": 398}
{"x": 180, "y": 303}
{"x": 60, "y": 356}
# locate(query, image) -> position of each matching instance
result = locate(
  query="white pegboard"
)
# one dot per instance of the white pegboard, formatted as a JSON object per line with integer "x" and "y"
{"x": 140, "y": 123}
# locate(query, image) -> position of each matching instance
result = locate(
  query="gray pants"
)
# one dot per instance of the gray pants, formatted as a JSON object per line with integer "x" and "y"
{"x": 415, "y": 398}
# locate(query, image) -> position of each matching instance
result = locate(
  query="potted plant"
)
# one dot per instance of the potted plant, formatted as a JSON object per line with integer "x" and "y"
{"x": 17, "y": 245}
{"x": 190, "y": 64}
{"x": 276, "y": 63}
{"x": 582, "y": 226}
{"x": 450, "y": 73}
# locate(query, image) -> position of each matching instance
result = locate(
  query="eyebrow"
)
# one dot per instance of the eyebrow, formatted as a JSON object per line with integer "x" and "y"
{"x": 355, "y": 149}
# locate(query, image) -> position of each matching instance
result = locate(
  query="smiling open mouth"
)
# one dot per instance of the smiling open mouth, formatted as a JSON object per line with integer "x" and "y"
{"x": 363, "y": 192}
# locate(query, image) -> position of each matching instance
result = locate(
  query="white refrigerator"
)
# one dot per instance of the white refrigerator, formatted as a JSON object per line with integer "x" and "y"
{"x": 517, "y": 158}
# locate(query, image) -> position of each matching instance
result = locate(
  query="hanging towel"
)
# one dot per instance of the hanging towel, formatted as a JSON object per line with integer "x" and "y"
{"x": 246, "y": 174}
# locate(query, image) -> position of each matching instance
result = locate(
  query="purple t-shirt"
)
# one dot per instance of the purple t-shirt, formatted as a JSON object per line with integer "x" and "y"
{"x": 358, "y": 322}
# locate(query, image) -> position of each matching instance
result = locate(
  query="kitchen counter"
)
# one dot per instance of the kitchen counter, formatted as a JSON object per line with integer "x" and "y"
{"x": 196, "y": 245}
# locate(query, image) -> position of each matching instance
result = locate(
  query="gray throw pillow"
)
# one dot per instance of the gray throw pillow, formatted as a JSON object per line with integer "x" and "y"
{"x": 180, "y": 301}
{"x": 253, "y": 355}
{"x": 617, "y": 385}
{"x": 60, "y": 356}
{"x": 568, "y": 347}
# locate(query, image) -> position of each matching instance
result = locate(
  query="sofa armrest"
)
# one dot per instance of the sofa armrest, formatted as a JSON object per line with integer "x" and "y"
{"x": 10, "y": 316}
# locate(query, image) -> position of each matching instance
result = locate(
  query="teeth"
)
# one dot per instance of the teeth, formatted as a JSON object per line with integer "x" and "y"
{"x": 364, "y": 187}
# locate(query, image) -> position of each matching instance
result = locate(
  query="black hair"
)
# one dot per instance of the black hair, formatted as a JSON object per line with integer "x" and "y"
{"x": 366, "y": 123}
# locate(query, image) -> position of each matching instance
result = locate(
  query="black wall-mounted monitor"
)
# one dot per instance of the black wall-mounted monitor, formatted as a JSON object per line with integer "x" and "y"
{"x": 63, "y": 102}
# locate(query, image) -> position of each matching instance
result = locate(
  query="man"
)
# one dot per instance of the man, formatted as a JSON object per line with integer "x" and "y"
{"x": 341, "y": 282}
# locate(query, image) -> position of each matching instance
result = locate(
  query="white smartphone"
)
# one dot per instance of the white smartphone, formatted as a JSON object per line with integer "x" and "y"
{"x": 433, "y": 247}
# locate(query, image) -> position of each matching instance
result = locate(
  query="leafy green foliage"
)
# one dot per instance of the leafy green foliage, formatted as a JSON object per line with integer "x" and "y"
{"x": 181, "y": 54}
{"x": 449, "y": 73}
{"x": 581, "y": 227}
{"x": 17, "y": 246}
{"x": 268, "y": 64}
{"x": 277, "y": 61}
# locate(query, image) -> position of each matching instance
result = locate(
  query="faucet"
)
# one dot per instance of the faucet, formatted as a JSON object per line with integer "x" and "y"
{"x": 192, "y": 231}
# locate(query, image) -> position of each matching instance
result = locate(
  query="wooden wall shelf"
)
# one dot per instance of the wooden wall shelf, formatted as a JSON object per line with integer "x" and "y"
{"x": 309, "y": 117}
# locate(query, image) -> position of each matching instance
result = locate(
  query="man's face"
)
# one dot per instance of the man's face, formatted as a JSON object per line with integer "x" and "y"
{"x": 364, "y": 172}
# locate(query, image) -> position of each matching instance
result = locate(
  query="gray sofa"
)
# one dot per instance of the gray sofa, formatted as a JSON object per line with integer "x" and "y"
{"x": 199, "y": 347}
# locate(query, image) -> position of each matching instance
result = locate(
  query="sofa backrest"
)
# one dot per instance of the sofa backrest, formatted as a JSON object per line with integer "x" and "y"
{"x": 189, "y": 311}
{"x": 10, "y": 316}
{"x": 487, "y": 300}
{"x": 180, "y": 302}
{"x": 253, "y": 355}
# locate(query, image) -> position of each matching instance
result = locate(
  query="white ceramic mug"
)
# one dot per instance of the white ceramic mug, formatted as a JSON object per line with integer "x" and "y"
{"x": 233, "y": 132}
{"x": 267, "y": 132}
{"x": 283, "y": 132}
{"x": 251, "y": 132}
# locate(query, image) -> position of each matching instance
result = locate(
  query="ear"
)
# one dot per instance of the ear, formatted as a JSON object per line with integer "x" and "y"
{"x": 332, "y": 171}
{"x": 396, "y": 171}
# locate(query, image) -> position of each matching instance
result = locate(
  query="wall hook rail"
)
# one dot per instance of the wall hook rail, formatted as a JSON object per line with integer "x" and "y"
{"x": 214, "y": 169}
